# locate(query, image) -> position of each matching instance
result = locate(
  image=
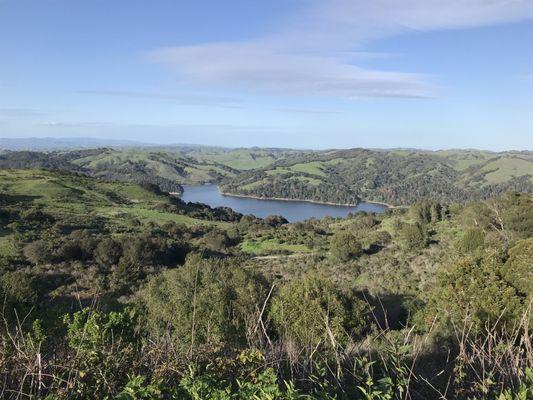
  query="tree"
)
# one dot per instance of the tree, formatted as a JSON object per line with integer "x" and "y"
{"x": 426, "y": 211}
{"x": 345, "y": 246}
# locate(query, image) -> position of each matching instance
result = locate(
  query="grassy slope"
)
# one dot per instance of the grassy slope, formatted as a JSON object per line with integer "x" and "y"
{"x": 173, "y": 166}
{"x": 73, "y": 197}
{"x": 269, "y": 246}
{"x": 242, "y": 159}
{"x": 182, "y": 166}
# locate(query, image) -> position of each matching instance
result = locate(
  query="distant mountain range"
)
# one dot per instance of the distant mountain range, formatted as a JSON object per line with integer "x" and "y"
{"x": 51, "y": 143}
{"x": 74, "y": 143}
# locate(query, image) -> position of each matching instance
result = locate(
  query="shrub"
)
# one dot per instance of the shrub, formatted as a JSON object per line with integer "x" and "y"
{"x": 20, "y": 289}
{"x": 345, "y": 246}
{"x": 107, "y": 253}
{"x": 37, "y": 252}
{"x": 205, "y": 303}
{"x": 518, "y": 270}
{"x": 472, "y": 240}
{"x": 103, "y": 347}
{"x": 216, "y": 240}
{"x": 413, "y": 236}
{"x": 474, "y": 289}
{"x": 312, "y": 311}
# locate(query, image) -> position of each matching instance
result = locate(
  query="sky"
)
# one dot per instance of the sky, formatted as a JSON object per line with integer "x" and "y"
{"x": 432, "y": 74}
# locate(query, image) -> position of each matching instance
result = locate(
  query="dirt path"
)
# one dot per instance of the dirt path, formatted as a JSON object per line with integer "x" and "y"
{"x": 275, "y": 256}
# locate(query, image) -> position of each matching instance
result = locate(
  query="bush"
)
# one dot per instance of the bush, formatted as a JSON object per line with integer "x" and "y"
{"x": 275, "y": 220}
{"x": 413, "y": 236}
{"x": 312, "y": 311}
{"x": 37, "y": 252}
{"x": 345, "y": 246}
{"x": 475, "y": 289}
{"x": 107, "y": 253}
{"x": 216, "y": 241}
{"x": 204, "y": 303}
{"x": 103, "y": 345}
{"x": 472, "y": 240}
{"x": 20, "y": 289}
{"x": 518, "y": 270}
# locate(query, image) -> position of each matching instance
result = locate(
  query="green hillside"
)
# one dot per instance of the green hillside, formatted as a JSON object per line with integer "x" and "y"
{"x": 242, "y": 159}
{"x": 399, "y": 177}
{"x": 166, "y": 168}
{"x": 84, "y": 201}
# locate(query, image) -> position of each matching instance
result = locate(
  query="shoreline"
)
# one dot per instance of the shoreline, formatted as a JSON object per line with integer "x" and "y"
{"x": 305, "y": 201}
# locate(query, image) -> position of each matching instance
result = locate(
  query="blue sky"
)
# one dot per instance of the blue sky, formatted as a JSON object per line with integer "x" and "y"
{"x": 286, "y": 73}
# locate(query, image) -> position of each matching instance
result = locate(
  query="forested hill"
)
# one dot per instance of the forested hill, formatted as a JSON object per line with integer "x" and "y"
{"x": 168, "y": 168}
{"x": 397, "y": 177}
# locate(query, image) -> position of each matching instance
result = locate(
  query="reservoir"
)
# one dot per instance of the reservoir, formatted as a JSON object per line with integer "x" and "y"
{"x": 293, "y": 211}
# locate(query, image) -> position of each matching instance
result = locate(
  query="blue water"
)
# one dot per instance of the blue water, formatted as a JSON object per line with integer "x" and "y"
{"x": 293, "y": 211}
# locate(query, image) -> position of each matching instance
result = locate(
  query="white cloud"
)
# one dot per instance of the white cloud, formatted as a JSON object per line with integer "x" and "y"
{"x": 252, "y": 66}
{"x": 314, "y": 53}
{"x": 361, "y": 19}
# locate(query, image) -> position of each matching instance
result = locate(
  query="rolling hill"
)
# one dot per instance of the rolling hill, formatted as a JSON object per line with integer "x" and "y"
{"x": 396, "y": 177}
{"x": 166, "y": 168}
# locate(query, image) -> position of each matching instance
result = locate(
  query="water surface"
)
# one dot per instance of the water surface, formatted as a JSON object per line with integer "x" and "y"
{"x": 293, "y": 211}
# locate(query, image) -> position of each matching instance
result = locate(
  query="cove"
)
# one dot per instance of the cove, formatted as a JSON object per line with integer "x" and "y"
{"x": 293, "y": 211}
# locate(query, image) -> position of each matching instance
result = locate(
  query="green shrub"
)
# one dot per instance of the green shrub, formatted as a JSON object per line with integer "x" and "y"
{"x": 413, "y": 236}
{"x": 313, "y": 311}
{"x": 204, "y": 303}
{"x": 518, "y": 269}
{"x": 345, "y": 246}
{"x": 474, "y": 290}
{"x": 472, "y": 240}
{"x": 102, "y": 348}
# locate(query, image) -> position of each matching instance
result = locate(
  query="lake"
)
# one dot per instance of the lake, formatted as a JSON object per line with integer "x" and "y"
{"x": 293, "y": 211}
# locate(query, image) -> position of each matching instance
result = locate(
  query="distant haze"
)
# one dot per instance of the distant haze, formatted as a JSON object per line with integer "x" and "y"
{"x": 72, "y": 143}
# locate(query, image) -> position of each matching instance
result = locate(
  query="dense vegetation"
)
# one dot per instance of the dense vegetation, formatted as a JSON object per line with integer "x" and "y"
{"x": 119, "y": 291}
{"x": 394, "y": 177}
{"x": 397, "y": 177}
{"x": 166, "y": 168}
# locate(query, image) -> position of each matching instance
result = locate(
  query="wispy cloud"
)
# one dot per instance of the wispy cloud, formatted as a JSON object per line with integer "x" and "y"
{"x": 181, "y": 98}
{"x": 314, "y": 53}
{"x": 253, "y": 66}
